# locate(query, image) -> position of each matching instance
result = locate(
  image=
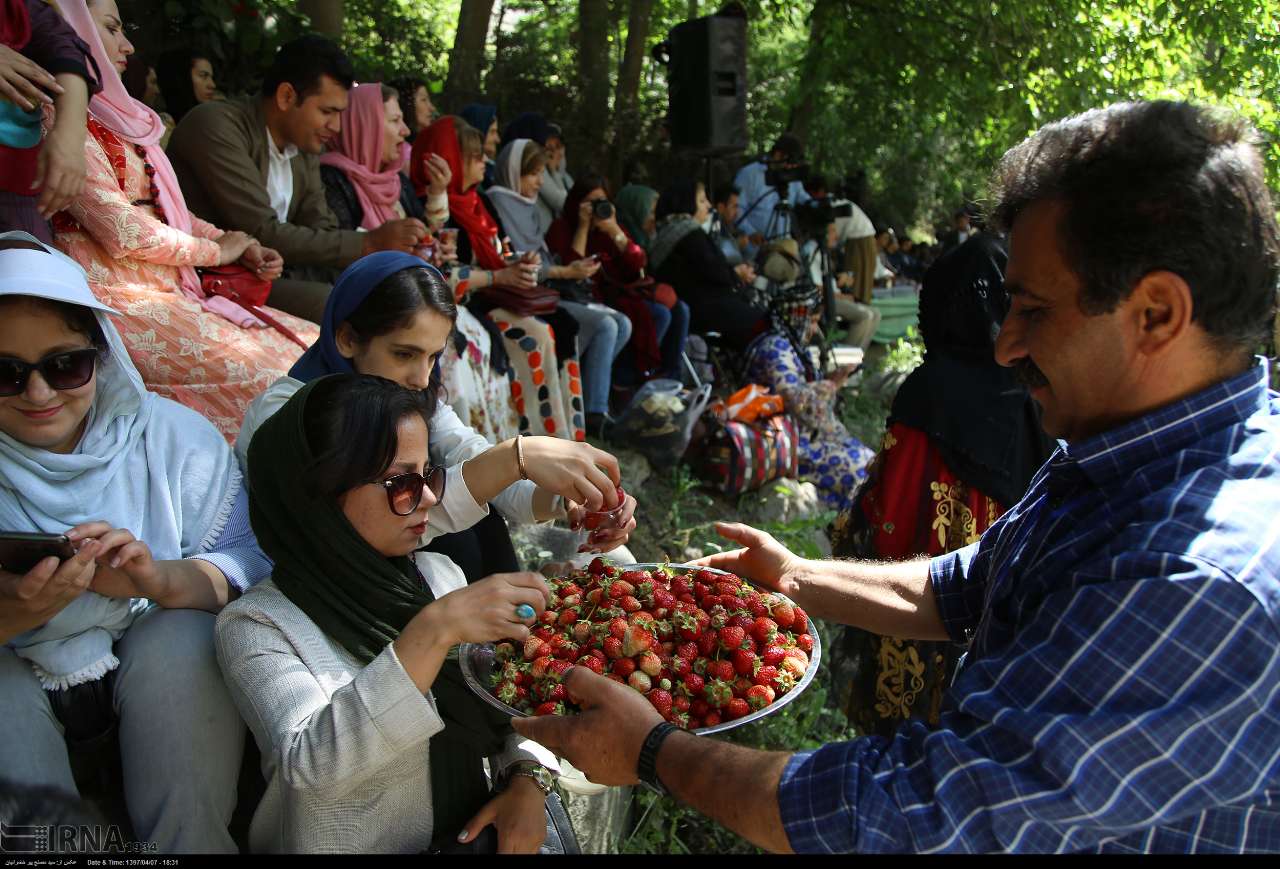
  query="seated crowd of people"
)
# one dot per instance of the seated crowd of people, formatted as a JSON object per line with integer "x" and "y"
{"x": 448, "y": 314}
{"x": 286, "y": 515}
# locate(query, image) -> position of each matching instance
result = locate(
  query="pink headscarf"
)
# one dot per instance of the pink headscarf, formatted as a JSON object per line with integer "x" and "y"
{"x": 358, "y": 153}
{"x": 138, "y": 123}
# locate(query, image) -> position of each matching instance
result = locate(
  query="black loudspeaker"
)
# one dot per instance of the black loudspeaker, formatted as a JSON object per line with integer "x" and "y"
{"x": 707, "y": 85}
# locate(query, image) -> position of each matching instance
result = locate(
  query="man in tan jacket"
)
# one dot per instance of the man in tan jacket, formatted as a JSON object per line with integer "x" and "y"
{"x": 253, "y": 165}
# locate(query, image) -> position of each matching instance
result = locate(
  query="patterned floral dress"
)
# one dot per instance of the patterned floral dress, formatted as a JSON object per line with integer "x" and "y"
{"x": 183, "y": 351}
{"x": 478, "y": 395}
{"x": 912, "y": 505}
{"x": 830, "y": 458}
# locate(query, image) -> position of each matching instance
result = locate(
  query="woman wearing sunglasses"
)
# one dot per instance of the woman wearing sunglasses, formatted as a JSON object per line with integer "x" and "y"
{"x": 370, "y": 740}
{"x": 390, "y": 315}
{"x": 116, "y": 642}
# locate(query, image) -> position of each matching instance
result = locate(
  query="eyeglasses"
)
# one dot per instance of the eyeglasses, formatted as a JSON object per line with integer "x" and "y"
{"x": 404, "y": 491}
{"x": 66, "y": 370}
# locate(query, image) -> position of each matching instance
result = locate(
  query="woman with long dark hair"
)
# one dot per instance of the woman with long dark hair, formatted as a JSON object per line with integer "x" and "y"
{"x": 185, "y": 77}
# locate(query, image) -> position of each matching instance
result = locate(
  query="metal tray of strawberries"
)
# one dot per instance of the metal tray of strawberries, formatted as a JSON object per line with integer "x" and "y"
{"x": 478, "y": 660}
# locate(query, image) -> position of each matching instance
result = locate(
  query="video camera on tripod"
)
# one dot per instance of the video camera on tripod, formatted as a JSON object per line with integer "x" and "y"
{"x": 813, "y": 217}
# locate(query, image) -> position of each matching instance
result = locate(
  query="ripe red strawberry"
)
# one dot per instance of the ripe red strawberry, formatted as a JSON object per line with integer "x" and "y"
{"x": 687, "y": 650}
{"x": 699, "y": 707}
{"x": 801, "y": 623}
{"x": 681, "y": 585}
{"x": 640, "y": 681}
{"x": 612, "y": 648}
{"x": 726, "y": 589}
{"x": 556, "y": 692}
{"x": 742, "y": 619}
{"x": 737, "y": 708}
{"x": 567, "y": 617}
{"x": 569, "y": 588}
{"x": 765, "y": 630}
{"x": 680, "y": 703}
{"x": 547, "y": 617}
{"x": 765, "y": 675}
{"x": 599, "y": 654}
{"x": 759, "y": 696}
{"x": 525, "y": 679}
{"x": 598, "y": 567}
{"x": 618, "y": 627}
{"x": 661, "y": 700}
{"x": 680, "y": 719}
{"x": 630, "y": 604}
{"x": 722, "y": 670}
{"x": 558, "y": 668}
{"x": 620, "y": 588}
{"x": 544, "y": 633}
{"x": 712, "y": 719}
{"x": 635, "y": 577}
{"x": 744, "y": 662}
{"x": 582, "y": 632}
{"x": 663, "y": 598}
{"x": 804, "y": 643}
{"x": 731, "y": 638}
{"x": 693, "y": 684}
{"x": 741, "y": 686}
{"x": 708, "y": 642}
{"x": 624, "y": 667}
{"x": 592, "y": 663}
{"x": 718, "y": 693}
{"x": 540, "y": 666}
{"x": 550, "y": 708}
{"x": 773, "y": 655}
{"x": 568, "y": 650}
{"x": 593, "y": 596}
{"x": 757, "y": 609}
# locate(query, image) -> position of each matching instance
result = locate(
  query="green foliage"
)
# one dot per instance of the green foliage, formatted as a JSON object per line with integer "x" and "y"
{"x": 387, "y": 39}
{"x": 905, "y": 354}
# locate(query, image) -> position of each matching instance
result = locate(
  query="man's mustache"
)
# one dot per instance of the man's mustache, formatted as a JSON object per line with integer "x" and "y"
{"x": 1029, "y": 375}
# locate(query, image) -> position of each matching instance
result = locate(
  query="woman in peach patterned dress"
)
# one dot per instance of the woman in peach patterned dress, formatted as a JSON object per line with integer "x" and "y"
{"x": 131, "y": 231}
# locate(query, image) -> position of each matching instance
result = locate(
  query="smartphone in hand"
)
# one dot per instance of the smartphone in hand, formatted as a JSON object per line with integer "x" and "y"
{"x": 20, "y": 551}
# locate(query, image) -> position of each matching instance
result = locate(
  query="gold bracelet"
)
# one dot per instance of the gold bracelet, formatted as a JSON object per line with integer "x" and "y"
{"x": 524, "y": 475}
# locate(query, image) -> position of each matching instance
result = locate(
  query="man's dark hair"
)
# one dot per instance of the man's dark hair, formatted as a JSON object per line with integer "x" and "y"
{"x": 723, "y": 193}
{"x": 351, "y": 422}
{"x": 303, "y": 62}
{"x": 1156, "y": 186}
{"x": 791, "y": 147}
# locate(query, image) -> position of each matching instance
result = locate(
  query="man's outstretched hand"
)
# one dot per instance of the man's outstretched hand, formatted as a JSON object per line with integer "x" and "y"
{"x": 603, "y": 740}
{"x": 764, "y": 561}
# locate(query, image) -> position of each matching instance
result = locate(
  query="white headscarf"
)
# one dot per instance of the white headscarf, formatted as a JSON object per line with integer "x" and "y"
{"x": 519, "y": 214}
{"x": 143, "y": 463}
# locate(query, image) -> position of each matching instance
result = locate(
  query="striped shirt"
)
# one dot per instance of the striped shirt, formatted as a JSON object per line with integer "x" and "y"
{"x": 1121, "y": 691}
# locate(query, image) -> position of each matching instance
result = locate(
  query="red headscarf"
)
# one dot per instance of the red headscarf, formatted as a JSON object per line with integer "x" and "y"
{"x": 358, "y": 153}
{"x": 15, "y": 24}
{"x": 465, "y": 207}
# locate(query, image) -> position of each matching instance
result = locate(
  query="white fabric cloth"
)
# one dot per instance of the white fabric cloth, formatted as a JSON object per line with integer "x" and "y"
{"x": 280, "y": 177}
{"x": 857, "y": 225}
{"x": 451, "y": 444}
{"x": 143, "y": 463}
{"x": 345, "y": 746}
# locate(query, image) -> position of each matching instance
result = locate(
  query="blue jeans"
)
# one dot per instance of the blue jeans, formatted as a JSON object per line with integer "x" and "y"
{"x": 672, "y": 325}
{"x": 602, "y": 333}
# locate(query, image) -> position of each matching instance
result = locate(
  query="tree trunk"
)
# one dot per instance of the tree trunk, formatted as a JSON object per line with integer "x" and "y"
{"x": 466, "y": 61}
{"x": 325, "y": 15}
{"x": 813, "y": 70}
{"x": 626, "y": 120}
{"x": 593, "y": 73}
{"x": 693, "y": 9}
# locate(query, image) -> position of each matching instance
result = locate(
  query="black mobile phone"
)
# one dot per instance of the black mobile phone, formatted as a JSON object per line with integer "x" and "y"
{"x": 20, "y": 551}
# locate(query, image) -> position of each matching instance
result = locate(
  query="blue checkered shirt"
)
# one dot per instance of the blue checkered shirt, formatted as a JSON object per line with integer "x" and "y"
{"x": 1121, "y": 691}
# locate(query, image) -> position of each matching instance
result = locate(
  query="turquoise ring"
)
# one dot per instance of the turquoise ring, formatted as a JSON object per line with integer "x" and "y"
{"x": 524, "y": 612}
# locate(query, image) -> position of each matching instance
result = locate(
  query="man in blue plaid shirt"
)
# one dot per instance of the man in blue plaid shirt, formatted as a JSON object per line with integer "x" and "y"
{"x": 1121, "y": 690}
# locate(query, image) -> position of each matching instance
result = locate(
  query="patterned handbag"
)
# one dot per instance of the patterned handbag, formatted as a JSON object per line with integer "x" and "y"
{"x": 740, "y": 457}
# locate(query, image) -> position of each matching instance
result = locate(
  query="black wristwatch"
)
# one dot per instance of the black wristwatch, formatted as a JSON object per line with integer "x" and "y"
{"x": 647, "y": 765}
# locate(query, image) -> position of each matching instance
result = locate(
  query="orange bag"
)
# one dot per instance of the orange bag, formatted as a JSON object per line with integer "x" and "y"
{"x": 749, "y": 404}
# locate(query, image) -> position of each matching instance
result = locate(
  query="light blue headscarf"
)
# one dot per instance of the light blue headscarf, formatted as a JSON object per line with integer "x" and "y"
{"x": 144, "y": 463}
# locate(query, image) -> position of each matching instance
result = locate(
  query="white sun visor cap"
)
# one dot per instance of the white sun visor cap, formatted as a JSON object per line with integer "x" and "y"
{"x": 46, "y": 273}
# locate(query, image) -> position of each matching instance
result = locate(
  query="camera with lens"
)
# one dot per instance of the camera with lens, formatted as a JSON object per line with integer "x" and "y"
{"x": 782, "y": 175}
{"x": 813, "y": 216}
{"x": 602, "y": 209}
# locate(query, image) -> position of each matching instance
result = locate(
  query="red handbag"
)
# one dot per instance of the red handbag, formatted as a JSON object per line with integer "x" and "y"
{"x": 247, "y": 290}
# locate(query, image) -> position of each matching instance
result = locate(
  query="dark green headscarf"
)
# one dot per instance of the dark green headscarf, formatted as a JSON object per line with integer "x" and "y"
{"x": 362, "y": 600}
{"x": 634, "y": 203}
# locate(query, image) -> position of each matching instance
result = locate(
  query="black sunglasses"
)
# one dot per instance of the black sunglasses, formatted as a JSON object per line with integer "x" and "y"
{"x": 68, "y": 369}
{"x": 404, "y": 491}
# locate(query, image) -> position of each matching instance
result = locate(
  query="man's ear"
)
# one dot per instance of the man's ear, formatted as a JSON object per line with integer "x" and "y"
{"x": 345, "y": 337}
{"x": 1161, "y": 307}
{"x": 286, "y": 96}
